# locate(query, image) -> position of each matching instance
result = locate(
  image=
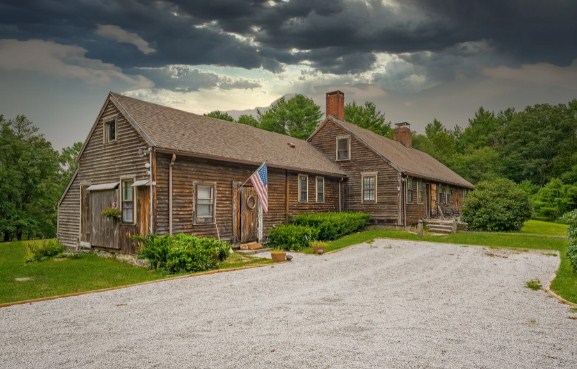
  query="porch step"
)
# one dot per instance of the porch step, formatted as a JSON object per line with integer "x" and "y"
{"x": 443, "y": 226}
{"x": 252, "y": 252}
{"x": 440, "y": 229}
{"x": 250, "y": 246}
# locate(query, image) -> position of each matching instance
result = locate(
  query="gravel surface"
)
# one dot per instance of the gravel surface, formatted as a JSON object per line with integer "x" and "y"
{"x": 392, "y": 304}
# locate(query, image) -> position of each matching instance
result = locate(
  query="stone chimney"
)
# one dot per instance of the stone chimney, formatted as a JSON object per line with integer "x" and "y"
{"x": 403, "y": 134}
{"x": 336, "y": 104}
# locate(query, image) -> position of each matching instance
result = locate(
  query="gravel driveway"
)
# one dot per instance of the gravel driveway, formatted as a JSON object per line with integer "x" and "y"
{"x": 392, "y": 304}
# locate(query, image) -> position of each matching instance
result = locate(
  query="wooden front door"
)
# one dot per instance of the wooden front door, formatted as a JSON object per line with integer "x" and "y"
{"x": 104, "y": 230}
{"x": 248, "y": 214}
{"x": 143, "y": 217}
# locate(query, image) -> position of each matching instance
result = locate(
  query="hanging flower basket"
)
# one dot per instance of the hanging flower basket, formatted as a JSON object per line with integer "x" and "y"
{"x": 112, "y": 213}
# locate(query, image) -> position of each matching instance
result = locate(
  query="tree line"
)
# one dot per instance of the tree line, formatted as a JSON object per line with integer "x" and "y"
{"x": 33, "y": 176}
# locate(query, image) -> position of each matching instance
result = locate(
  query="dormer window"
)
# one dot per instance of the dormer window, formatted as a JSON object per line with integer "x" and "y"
{"x": 343, "y": 148}
{"x": 110, "y": 131}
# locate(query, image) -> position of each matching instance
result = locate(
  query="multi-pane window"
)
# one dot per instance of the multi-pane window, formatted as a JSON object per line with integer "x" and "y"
{"x": 420, "y": 191}
{"x": 369, "y": 188}
{"x": 303, "y": 187}
{"x": 204, "y": 203}
{"x": 127, "y": 201}
{"x": 448, "y": 194}
{"x": 320, "y": 189}
{"x": 110, "y": 131}
{"x": 343, "y": 148}
{"x": 410, "y": 190}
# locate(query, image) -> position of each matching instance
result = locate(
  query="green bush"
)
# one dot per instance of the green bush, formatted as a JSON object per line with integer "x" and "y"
{"x": 42, "y": 250}
{"x": 571, "y": 219}
{"x": 182, "y": 252}
{"x": 333, "y": 225}
{"x": 292, "y": 237}
{"x": 553, "y": 200}
{"x": 498, "y": 205}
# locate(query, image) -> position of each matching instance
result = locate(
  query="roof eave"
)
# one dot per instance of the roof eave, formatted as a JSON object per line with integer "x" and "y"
{"x": 247, "y": 162}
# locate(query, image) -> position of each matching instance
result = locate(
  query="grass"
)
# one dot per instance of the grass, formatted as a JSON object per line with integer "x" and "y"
{"x": 533, "y": 284}
{"x": 544, "y": 228}
{"x": 72, "y": 275}
{"x": 535, "y": 235}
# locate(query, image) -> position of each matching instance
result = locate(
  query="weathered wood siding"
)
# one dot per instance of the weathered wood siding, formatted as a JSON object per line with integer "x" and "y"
{"x": 363, "y": 159}
{"x": 226, "y": 176}
{"x": 102, "y": 163}
{"x": 416, "y": 210}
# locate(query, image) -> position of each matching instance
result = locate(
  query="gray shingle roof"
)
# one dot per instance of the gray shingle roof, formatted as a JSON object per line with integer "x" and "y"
{"x": 408, "y": 160}
{"x": 177, "y": 130}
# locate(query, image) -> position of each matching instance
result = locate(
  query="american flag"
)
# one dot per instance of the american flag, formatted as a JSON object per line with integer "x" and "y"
{"x": 259, "y": 180}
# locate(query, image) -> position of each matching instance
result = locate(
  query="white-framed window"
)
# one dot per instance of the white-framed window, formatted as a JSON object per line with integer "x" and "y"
{"x": 303, "y": 188}
{"x": 369, "y": 187}
{"x": 420, "y": 191}
{"x": 127, "y": 200}
{"x": 320, "y": 189}
{"x": 110, "y": 131}
{"x": 410, "y": 190}
{"x": 204, "y": 202}
{"x": 343, "y": 151}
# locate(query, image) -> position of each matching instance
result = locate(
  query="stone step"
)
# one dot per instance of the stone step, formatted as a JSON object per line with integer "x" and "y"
{"x": 252, "y": 252}
{"x": 250, "y": 246}
{"x": 440, "y": 229}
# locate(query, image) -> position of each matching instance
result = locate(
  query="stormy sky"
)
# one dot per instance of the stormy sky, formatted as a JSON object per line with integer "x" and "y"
{"x": 416, "y": 59}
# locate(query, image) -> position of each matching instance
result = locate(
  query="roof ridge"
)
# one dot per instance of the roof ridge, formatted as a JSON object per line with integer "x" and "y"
{"x": 175, "y": 129}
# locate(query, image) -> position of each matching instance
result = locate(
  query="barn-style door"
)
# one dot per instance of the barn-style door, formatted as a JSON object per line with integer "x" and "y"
{"x": 103, "y": 229}
{"x": 248, "y": 214}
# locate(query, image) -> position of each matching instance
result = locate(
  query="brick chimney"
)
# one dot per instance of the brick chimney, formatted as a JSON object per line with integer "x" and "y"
{"x": 403, "y": 134}
{"x": 336, "y": 104}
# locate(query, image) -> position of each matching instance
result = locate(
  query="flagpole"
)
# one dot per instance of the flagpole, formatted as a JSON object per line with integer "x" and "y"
{"x": 251, "y": 175}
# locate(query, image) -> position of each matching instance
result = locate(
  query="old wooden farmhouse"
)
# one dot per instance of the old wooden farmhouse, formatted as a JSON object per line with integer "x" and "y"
{"x": 154, "y": 169}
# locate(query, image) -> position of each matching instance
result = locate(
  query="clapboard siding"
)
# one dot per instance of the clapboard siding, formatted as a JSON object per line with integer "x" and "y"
{"x": 102, "y": 163}
{"x": 363, "y": 159}
{"x": 187, "y": 170}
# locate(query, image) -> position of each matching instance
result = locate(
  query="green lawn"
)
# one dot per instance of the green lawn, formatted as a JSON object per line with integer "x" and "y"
{"x": 534, "y": 235}
{"x": 72, "y": 275}
{"x": 545, "y": 228}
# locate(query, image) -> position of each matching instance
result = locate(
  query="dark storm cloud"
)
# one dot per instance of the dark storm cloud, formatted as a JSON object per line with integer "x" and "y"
{"x": 337, "y": 36}
{"x": 186, "y": 79}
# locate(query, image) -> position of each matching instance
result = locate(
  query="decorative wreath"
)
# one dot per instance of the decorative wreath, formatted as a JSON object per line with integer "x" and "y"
{"x": 251, "y": 202}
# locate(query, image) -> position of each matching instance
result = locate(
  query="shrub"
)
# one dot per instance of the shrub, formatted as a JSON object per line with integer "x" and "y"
{"x": 333, "y": 225}
{"x": 571, "y": 219}
{"x": 42, "y": 250}
{"x": 498, "y": 205}
{"x": 292, "y": 237}
{"x": 553, "y": 200}
{"x": 182, "y": 252}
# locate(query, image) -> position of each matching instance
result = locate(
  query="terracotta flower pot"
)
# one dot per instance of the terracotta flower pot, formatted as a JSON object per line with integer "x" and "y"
{"x": 278, "y": 256}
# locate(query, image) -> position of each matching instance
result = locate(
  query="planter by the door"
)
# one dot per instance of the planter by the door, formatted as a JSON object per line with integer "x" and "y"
{"x": 278, "y": 256}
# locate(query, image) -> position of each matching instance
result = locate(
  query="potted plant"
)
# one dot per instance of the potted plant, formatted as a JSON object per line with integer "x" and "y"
{"x": 319, "y": 247}
{"x": 278, "y": 254}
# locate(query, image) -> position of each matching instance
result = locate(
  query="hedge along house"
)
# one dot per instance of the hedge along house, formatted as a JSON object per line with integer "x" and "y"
{"x": 169, "y": 171}
{"x": 389, "y": 179}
